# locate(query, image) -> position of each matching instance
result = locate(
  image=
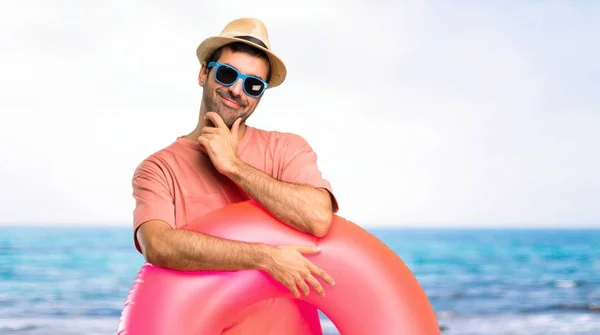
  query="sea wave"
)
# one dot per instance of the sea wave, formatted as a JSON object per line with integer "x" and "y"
{"x": 593, "y": 307}
{"x": 518, "y": 324}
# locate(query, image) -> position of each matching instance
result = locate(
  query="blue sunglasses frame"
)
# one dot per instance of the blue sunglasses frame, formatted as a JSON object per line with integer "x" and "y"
{"x": 217, "y": 65}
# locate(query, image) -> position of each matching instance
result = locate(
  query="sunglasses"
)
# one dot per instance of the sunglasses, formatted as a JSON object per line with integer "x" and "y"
{"x": 227, "y": 75}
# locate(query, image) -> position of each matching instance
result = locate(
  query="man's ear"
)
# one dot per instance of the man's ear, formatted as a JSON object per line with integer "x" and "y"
{"x": 203, "y": 75}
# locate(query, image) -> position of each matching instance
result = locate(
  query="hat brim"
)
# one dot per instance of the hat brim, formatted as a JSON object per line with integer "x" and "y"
{"x": 209, "y": 45}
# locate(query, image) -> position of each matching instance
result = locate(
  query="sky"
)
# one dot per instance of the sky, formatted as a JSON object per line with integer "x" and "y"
{"x": 422, "y": 113}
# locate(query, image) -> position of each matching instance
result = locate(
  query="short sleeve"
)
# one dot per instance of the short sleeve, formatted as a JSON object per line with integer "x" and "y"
{"x": 299, "y": 166}
{"x": 153, "y": 199}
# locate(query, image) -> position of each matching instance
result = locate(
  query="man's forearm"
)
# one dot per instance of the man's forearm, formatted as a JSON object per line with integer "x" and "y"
{"x": 302, "y": 207}
{"x": 186, "y": 250}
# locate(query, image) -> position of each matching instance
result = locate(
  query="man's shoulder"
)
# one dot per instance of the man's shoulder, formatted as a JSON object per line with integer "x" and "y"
{"x": 278, "y": 137}
{"x": 167, "y": 151}
{"x": 161, "y": 158}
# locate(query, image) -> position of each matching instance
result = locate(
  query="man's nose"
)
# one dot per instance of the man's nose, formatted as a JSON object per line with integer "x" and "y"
{"x": 237, "y": 88}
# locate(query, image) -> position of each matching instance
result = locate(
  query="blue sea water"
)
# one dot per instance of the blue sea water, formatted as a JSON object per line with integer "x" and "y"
{"x": 75, "y": 280}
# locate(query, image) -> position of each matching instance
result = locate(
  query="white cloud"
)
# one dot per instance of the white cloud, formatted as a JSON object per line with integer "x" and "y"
{"x": 420, "y": 112}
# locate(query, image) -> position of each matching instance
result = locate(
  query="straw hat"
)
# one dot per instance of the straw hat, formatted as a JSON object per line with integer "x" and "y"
{"x": 249, "y": 31}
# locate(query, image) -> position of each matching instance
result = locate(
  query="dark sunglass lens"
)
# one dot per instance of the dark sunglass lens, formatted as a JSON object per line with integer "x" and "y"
{"x": 253, "y": 86}
{"x": 226, "y": 75}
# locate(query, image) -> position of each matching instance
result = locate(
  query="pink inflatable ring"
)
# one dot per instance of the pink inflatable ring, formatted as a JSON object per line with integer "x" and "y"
{"x": 374, "y": 292}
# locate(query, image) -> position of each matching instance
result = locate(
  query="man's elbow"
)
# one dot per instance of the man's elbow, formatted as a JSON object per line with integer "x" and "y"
{"x": 152, "y": 247}
{"x": 155, "y": 256}
{"x": 322, "y": 223}
{"x": 324, "y": 216}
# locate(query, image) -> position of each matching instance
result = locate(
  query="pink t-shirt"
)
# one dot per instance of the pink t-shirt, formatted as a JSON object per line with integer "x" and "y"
{"x": 179, "y": 184}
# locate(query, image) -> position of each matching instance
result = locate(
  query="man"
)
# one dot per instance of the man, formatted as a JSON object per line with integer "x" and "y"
{"x": 223, "y": 161}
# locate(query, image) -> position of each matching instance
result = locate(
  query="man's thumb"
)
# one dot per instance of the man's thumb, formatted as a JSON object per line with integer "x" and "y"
{"x": 309, "y": 250}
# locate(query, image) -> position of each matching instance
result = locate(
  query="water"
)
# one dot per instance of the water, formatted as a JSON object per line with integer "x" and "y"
{"x": 75, "y": 280}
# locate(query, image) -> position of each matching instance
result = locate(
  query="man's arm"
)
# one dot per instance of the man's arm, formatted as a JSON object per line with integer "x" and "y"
{"x": 295, "y": 200}
{"x": 306, "y": 208}
{"x": 162, "y": 245}
{"x": 186, "y": 250}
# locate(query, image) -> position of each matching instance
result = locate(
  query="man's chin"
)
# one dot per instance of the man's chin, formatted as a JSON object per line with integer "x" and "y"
{"x": 228, "y": 121}
{"x": 229, "y": 118}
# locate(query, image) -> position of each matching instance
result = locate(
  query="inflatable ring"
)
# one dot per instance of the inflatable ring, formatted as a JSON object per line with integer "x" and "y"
{"x": 374, "y": 292}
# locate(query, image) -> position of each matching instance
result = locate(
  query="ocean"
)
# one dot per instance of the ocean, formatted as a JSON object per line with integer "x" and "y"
{"x": 479, "y": 281}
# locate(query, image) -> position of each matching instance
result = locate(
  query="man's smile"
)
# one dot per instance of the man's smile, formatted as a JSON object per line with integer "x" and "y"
{"x": 229, "y": 102}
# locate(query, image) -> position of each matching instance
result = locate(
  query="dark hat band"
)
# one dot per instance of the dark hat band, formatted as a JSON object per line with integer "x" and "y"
{"x": 253, "y": 40}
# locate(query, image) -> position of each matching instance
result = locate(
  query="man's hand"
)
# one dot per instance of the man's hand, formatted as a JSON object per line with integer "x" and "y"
{"x": 220, "y": 143}
{"x": 287, "y": 265}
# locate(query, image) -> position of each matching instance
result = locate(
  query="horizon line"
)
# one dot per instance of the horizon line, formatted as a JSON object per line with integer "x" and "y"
{"x": 509, "y": 226}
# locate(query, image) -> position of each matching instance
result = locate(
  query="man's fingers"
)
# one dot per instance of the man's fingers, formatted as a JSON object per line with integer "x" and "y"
{"x": 203, "y": 140}
{"x": 292, "y": 287}
{"x": 290, "y": 284}
{"x": 209, "y": 130}
{"x": 315, "y": 284}
{"x": 317, "y": 271}
{"x": 216, "y": 120}
{"x": 303, "y": 286}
